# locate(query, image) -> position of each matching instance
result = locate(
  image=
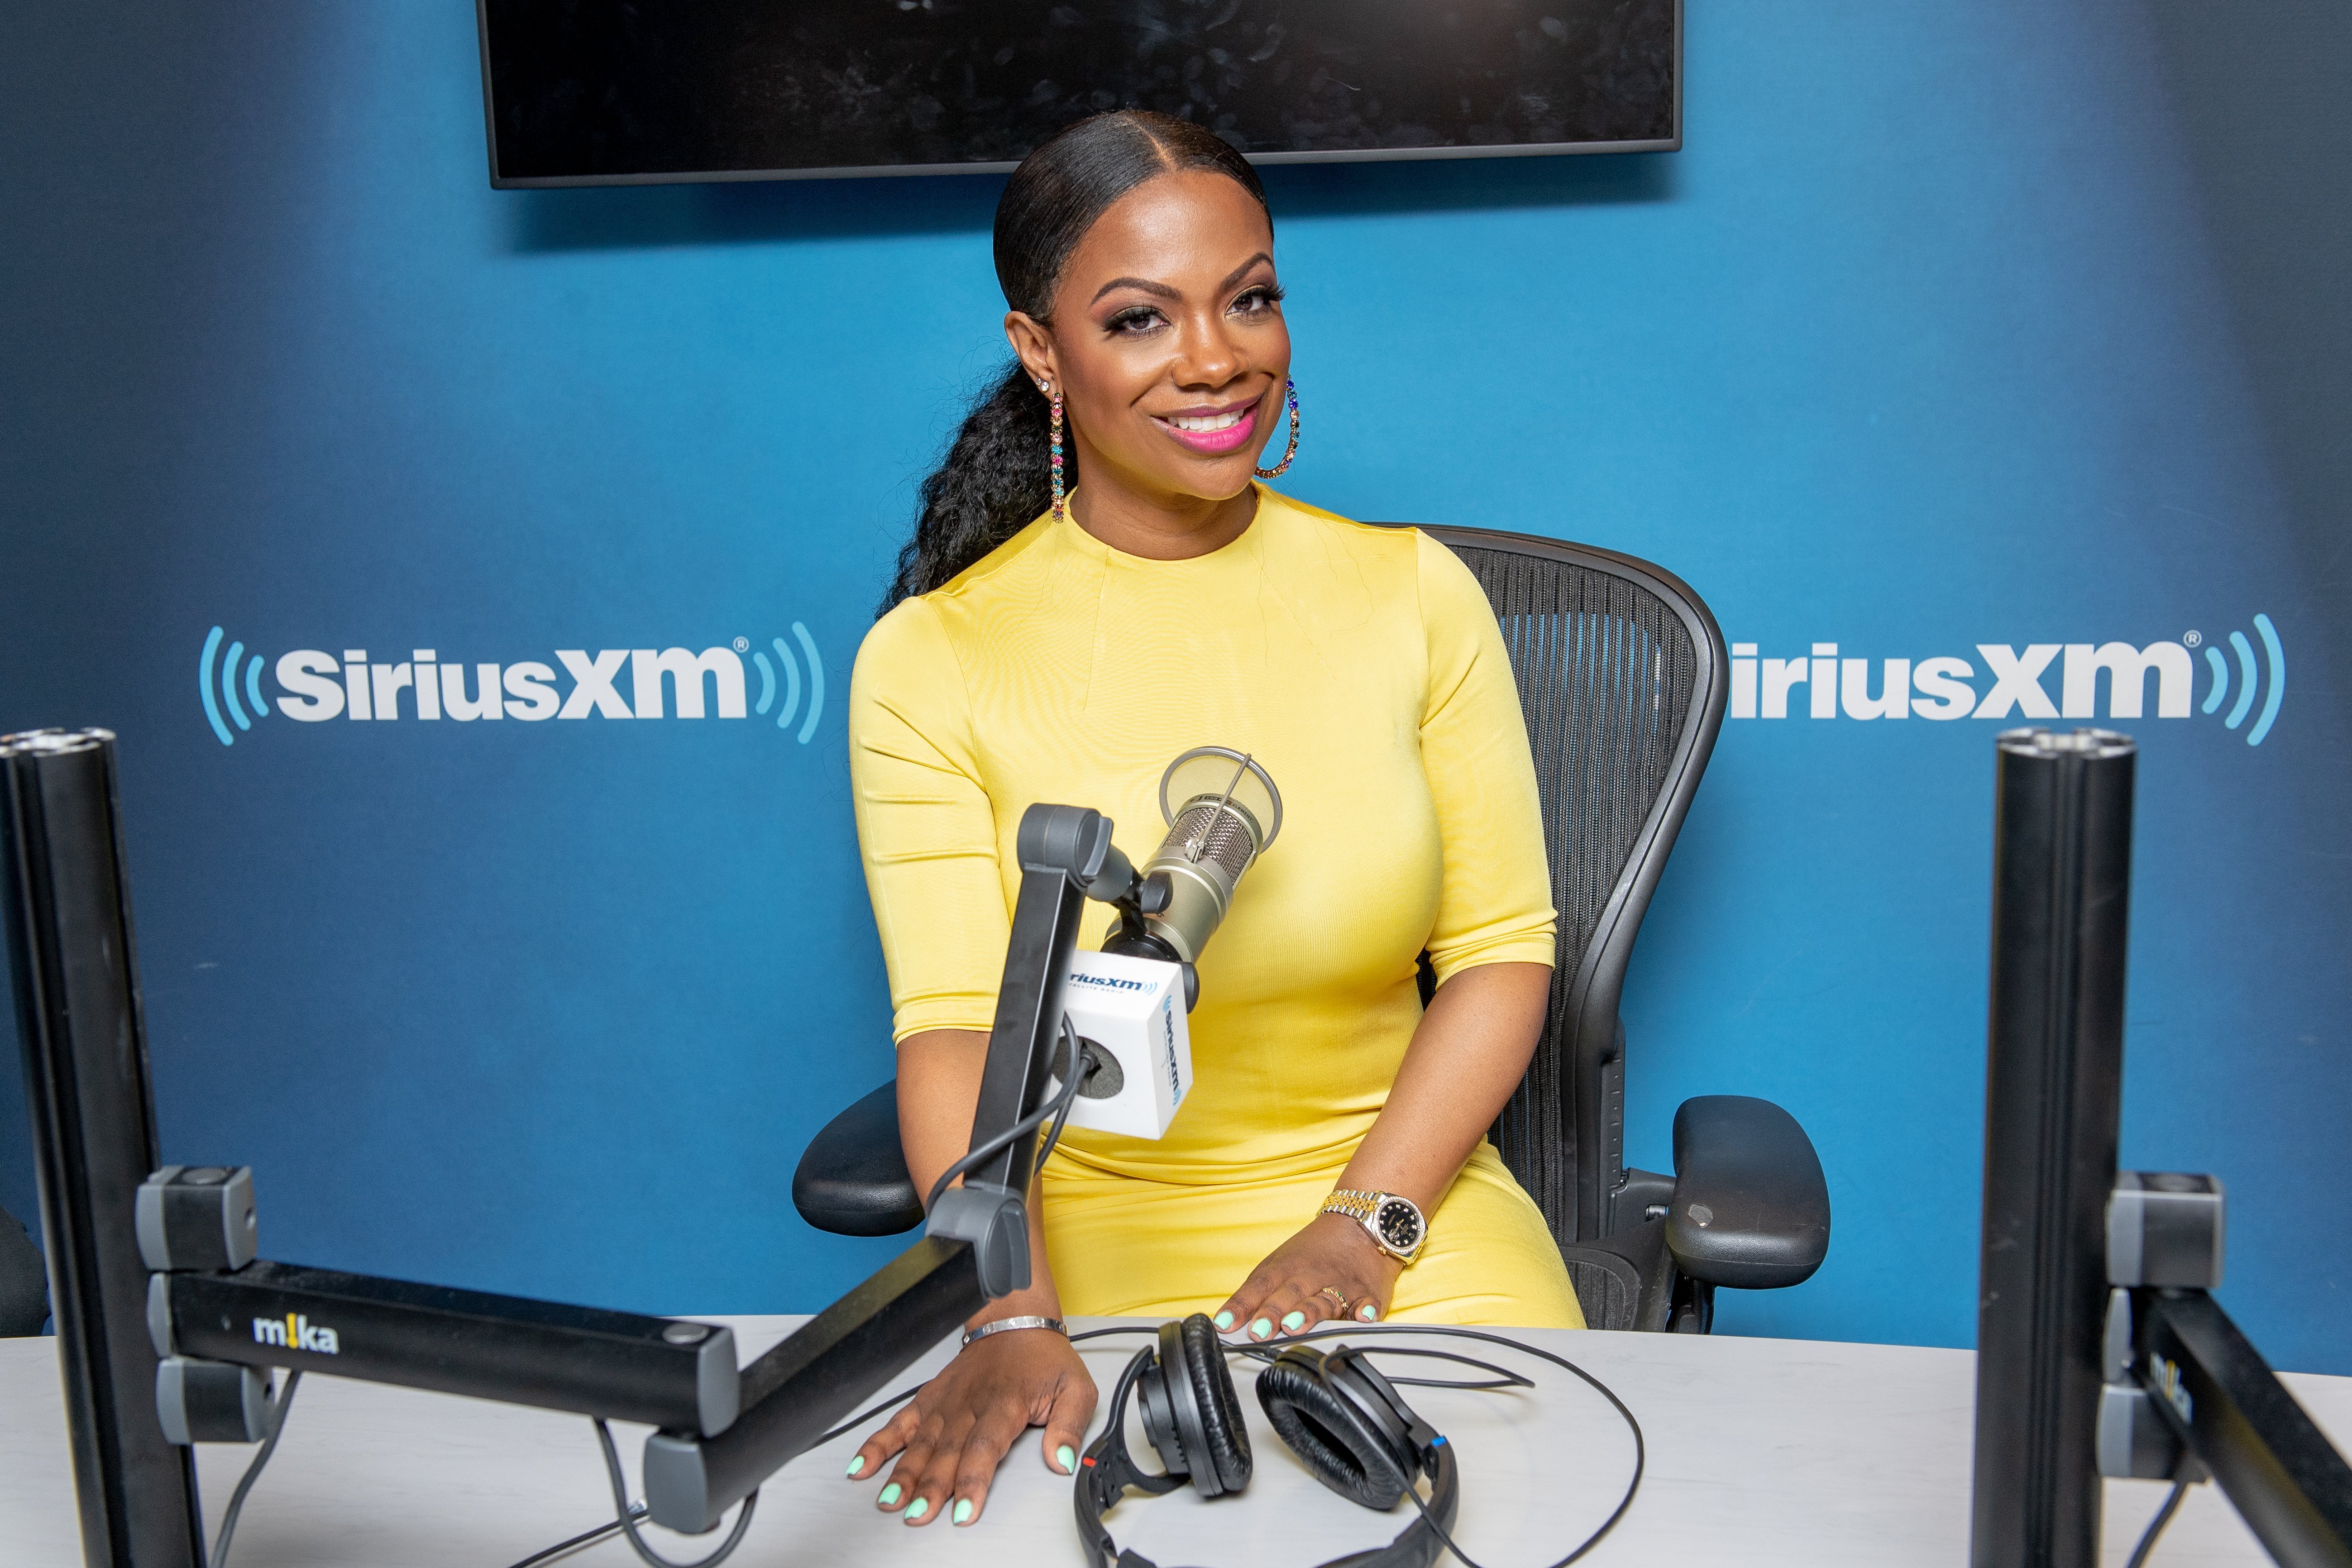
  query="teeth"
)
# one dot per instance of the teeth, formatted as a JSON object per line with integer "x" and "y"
{"x": 1208, "y": 422}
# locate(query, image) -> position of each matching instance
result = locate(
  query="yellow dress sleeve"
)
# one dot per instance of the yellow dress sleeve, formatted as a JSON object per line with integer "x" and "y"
{"x": 925, "y": 829}
{"x": 1495, "y": 899}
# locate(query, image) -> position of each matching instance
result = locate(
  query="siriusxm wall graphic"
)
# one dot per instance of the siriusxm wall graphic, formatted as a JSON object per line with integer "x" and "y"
{"x": 318, "y": 687}
{"x": 2011, "y": 683}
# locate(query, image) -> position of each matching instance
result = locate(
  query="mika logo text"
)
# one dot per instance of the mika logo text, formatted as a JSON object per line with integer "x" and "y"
{"x": 315, "y": 686}
{"x": 2013, "y": 682}
{"x": 296, "y": 1332}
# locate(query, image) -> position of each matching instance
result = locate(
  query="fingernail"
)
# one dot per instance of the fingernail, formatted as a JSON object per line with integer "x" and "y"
{"x": 890, "y": 1494}
{"x": 1261, "y": 1328}
{"x": 963, "y": 1510}
{"x": 917, "y": 1509}
{"x": 1369, "y": 1313}
{"x": 1066, "y": 1457}
{"x": 1294, "y": 1321}
{"x": 1223, "y": 1320}
{"x": 856, "y": 1463}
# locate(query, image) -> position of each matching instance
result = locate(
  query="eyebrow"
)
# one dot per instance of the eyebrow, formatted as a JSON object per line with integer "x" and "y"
{"x": 1163, "y": 291}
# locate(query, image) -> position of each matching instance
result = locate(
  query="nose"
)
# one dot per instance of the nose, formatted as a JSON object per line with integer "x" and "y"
{"x": 1207, "y": 357}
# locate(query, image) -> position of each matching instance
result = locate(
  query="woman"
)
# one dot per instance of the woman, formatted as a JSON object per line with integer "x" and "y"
{"x": 1095, "y": 586}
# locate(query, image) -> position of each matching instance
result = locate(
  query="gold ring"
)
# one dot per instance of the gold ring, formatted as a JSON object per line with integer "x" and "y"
{"x": 1336, "y": 1299}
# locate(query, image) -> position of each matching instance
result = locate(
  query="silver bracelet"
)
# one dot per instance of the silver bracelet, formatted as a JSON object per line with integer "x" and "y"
{"x": 1006, "y": 1325}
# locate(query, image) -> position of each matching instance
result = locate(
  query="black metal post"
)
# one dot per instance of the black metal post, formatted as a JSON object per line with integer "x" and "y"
{"x": 86, "y": 1081}
{"x": 2062, "y": 880}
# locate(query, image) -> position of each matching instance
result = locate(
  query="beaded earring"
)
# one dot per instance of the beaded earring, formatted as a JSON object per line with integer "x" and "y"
{"x": 1047, "y": 387}
{"x": 1290, "y": 394}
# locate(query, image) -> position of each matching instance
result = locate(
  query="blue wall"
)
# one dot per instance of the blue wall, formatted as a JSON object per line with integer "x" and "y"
{"x": 1997, "y": 324}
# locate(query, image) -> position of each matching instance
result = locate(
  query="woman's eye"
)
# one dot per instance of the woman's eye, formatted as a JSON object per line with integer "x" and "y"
{"x": 1258, "y": 301}
{"x": 1134, "y": 322}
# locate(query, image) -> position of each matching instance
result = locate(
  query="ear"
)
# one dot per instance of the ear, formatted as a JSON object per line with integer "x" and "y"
{"x": 1033, "y": 342}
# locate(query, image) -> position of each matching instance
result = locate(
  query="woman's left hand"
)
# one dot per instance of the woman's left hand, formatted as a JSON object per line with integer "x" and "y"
{"x": 1295, "y": 1288}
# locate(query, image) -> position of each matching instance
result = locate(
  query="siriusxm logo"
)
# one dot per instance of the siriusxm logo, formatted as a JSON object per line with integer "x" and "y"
{"x": 1114, "y": 984}
{"x": 1168, "y": 1048}
{"x": 317, "y": 686}
{"x": 297, "y": 1332}
{"x": 1948, "y": 688}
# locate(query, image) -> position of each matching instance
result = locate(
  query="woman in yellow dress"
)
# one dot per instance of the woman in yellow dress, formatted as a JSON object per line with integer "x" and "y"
{"x": 1096, "y": 584}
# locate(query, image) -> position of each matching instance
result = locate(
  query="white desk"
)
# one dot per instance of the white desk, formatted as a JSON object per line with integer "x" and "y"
{"x": 1761, "y": 1451}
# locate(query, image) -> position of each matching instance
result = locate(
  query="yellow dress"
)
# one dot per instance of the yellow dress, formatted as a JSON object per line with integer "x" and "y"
{"x": 1363, "y": 668}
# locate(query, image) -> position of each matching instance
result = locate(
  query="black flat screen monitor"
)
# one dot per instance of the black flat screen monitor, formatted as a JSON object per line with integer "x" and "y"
{"x": 585, "y": 92}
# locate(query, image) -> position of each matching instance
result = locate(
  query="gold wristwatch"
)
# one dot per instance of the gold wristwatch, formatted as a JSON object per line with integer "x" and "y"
{"x": 1392, "y": 1221}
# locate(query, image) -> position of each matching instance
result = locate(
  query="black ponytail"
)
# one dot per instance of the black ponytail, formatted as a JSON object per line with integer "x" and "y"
{"x": 995, "y": 479}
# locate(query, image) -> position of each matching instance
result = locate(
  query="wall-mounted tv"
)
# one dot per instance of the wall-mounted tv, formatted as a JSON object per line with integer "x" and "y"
{"x": 584, "y": 92}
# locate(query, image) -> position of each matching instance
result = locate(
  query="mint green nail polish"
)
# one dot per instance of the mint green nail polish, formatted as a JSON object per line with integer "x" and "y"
{"x": 917, "y": 1509}
{"x": 1261, "y": 1328}
{"x": 963, "y": 1510}
{"x": 856, "y": 1463}
{"x": 1223, "y": 1320}
{"x": 1066, "y": 1456}
{"x": 890, "y": 1494}
{"x": 1294, "y": 1321}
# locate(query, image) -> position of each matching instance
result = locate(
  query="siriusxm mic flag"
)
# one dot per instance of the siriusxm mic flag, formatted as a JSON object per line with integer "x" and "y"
{"x": 317, "y": 686}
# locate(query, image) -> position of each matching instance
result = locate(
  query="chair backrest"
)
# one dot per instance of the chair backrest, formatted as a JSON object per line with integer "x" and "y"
{"x": 1621, "y": 670}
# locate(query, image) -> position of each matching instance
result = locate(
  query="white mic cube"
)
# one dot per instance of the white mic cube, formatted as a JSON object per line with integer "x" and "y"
{"x": 1133, "y": 1008}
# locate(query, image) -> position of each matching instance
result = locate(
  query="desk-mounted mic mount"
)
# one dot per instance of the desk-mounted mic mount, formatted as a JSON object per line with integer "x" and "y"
{"x": 2099, "y": 1352}
{"x": 169, "y": 1321}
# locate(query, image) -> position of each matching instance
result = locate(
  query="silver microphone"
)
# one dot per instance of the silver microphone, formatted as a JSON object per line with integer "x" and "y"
{"x": 1222, "y": 812}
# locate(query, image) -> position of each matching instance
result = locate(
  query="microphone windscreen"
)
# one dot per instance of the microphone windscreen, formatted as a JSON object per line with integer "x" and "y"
{"x": 1223, "y": 811}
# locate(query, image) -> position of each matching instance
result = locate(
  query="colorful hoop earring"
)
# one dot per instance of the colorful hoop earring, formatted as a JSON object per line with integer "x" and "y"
{"x": 1057, "y": 428}
{"x": 1290, "y": 395}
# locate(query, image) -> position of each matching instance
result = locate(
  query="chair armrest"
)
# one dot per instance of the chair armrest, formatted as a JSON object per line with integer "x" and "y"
{"x": 1751, "y": 1208}
{"x": 852, "y": 1179}
{"x": 24, "y": 1282}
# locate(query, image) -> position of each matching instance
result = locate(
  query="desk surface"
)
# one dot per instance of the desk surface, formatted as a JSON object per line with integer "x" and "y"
{"x": 1761, "y": 1451}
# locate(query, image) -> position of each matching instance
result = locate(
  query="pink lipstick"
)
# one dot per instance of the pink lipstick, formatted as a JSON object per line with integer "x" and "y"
{"x": 1212, "y": 431}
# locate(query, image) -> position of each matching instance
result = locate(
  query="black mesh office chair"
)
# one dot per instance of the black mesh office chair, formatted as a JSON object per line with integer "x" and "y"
{"x": 1621, "y": 670}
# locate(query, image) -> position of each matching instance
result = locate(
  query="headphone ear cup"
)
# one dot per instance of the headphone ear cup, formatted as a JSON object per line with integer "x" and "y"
{"x": 1226, "y": 1437}
{"x": 1337, "y": 1442}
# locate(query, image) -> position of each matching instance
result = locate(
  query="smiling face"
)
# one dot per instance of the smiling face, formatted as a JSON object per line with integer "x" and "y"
{"x": 1168, "y": 345}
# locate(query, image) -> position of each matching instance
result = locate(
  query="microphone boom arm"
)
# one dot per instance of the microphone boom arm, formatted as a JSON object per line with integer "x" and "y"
{"x": 215, "y": 1313}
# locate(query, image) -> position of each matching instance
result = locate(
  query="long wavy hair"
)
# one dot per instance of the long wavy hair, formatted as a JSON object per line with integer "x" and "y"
{"x": 995, "y": 480}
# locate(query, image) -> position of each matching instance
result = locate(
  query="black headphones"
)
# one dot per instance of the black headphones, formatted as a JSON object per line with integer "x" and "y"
{"x": 1346, "y": 1422}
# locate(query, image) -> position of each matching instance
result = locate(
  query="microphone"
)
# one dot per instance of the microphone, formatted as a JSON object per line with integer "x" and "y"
{"x": 1222, "y": 812}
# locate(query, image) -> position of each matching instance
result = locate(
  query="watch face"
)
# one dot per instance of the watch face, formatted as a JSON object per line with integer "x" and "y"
{"x": 1399, "y": 1224}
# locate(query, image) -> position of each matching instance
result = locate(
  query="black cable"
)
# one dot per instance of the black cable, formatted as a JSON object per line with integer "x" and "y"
{"x": 1057, "y": 1109}
{"x": 628, "y": 1519}
{"x": 2156, "y": 1526}
{"x": 1078, "y": 1073}
{"x": 1504, "y": 1377}
{"x": 253, "y": 1471}
{"x": 582, "y": 1541}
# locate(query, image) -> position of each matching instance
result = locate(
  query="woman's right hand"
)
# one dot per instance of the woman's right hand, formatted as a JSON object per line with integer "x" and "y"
{"x": 950, "y": 1437}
